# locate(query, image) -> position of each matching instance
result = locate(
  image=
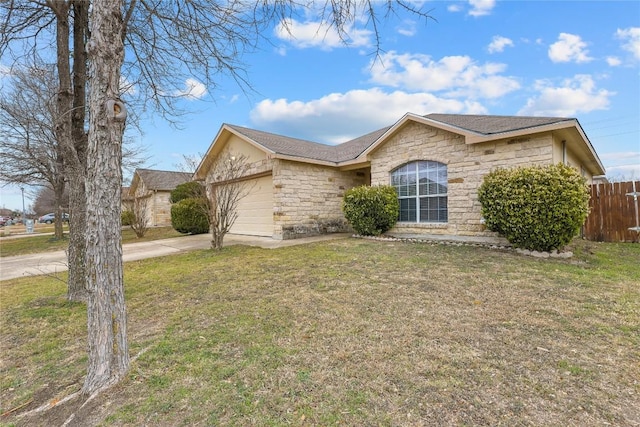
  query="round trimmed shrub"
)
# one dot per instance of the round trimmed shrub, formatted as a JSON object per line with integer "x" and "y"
{"x": 371, "y": 211}
{"x": 191, "y": 189}
{"x": 189, "y": 216}
{"x": 538, "y": 208}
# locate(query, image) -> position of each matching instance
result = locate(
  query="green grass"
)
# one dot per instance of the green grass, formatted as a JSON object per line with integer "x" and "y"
{"x": 347, "y": 332}
{"x": 47, "y": 243}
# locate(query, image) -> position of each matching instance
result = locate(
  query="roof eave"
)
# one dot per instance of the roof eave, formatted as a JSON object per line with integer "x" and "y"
{"x": 477, "y": 138}
{"x": 592, "y": 150}
{"x": 302, "y": 159}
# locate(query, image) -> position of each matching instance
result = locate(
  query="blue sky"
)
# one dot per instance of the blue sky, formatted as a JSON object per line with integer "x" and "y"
{"x": 558, "y": 58}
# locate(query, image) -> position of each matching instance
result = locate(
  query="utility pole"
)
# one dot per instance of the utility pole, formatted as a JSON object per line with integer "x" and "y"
{"x": 24, "y": 216}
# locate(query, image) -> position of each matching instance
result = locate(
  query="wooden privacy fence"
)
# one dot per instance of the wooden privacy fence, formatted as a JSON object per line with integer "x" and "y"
{"x": 613, "y": 216}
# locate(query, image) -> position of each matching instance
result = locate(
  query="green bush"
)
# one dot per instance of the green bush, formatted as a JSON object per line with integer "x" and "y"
{"x": 189, "y": 216}
{"x": 127, "y": 217}
{"x": 371, "y": 211}
{"x": 537, "y": 208}
{"x": 187, "y": 190}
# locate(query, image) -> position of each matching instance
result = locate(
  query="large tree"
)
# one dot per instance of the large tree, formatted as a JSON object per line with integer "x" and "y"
{"x": 165, "y": 43}
{"x": 29, "y": 152}
{"x": 107, "y": 324}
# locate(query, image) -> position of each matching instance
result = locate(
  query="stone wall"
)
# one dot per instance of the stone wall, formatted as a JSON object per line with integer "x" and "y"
{"x": 466, "y": 167}
{"x": 308, "y": 198}
{"x": 158, "y": 209}
{"x": 161, "y": 209}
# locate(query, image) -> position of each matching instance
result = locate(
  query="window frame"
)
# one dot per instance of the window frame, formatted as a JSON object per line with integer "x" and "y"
{"x": 420, "y": 183}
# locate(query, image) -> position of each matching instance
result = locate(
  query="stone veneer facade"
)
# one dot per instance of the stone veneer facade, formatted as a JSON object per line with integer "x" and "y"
{"x": 466, "y": 167}
{"x": 308, "y": 198}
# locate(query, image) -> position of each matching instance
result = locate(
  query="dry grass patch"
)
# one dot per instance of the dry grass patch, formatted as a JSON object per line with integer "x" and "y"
{"x": 348, "y": 332}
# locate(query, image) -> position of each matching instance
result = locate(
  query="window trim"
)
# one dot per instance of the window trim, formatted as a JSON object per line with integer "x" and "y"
{"x": 422, "y": 167}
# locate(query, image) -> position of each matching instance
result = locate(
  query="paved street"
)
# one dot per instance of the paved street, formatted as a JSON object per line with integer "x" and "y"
{"x": 53, "y": 262}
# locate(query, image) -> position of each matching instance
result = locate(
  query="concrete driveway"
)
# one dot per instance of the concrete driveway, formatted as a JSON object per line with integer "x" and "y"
{"x": 55, "y": 262}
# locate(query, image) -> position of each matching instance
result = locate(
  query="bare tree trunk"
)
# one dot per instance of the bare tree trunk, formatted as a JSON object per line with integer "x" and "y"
{"x": 77, "y": 158}
{"x": 106, "y": 312}
{"x": 64, "y": 98}
{"x": 76, "y": 288}
{"x": 58, "y": 191}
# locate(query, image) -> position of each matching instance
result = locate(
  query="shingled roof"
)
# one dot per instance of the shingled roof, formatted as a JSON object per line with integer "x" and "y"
{"x": 308, "y": 149}
{"x": 491, "y": 125}
{"x": 480, "y": 125}
{"x": 162, "y": 180}
{"x": 286, "y": 145}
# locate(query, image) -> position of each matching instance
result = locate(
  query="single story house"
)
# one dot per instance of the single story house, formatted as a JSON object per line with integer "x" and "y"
{"x": 436, "y": 162}
{"x": 153, "y": 187}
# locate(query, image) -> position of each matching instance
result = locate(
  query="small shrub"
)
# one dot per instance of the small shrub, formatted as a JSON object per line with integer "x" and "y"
{"x": 189, "y": 216}
{"x": 537, "y": 208}
{"x": 187, "y": 190}
{"x": 127, "y": 217}
{"x": 371, "y": 211}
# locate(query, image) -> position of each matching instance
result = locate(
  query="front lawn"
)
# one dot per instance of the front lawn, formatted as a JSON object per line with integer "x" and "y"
{"x": 345, "y": 332}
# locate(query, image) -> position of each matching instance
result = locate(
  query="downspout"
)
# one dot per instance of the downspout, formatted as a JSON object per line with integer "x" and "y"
{"x": 155, "y": 211}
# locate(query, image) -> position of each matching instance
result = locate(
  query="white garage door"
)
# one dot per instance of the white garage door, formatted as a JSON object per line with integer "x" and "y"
{"x": 255, "y": 210}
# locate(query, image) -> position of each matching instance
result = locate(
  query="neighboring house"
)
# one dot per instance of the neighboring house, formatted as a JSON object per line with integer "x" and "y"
{"x": 436, "y": 162}
{"x": 127, "y": 199}
{"x": 153, "y": 188}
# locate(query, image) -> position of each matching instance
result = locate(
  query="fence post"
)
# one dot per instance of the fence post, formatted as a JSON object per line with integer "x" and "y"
{"x": 635, "y": 194}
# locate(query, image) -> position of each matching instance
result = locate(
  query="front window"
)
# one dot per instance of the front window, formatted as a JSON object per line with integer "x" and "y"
{"x": 422, "y": 191}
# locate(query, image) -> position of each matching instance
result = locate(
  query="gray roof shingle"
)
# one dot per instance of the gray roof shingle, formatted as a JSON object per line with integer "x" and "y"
{"x": 308, "y": 149}
{"x": 490, "y": 125}
{"x": 162, "y": 180}
{"x": 288, "y": 146}
{"x": 486, "y": 125}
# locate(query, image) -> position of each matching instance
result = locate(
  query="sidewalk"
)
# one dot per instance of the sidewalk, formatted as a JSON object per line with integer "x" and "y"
{"x": 55, "y": 262}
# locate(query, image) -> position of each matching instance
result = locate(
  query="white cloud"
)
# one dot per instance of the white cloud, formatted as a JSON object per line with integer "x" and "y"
{"x": 481, "y": 7}
{"x": 337, "y": 117}
{"x": 569, "y": 48}
{"x": 408, "y": 28}
{"x": 631, "y": 37}
{"x": 618, "y": 157}
{"x": 321, "y": 35}
{"x": 629, "y": 171}
{"x": 623, "y": 165}
{"x": 613, "y": 61}
{"x": 575, "y": 95}
{"x": 454, "y": 8}
{"x": 457, "y": 76}
{"x": 498, "y": 43}
{"x": 192, "y": 90}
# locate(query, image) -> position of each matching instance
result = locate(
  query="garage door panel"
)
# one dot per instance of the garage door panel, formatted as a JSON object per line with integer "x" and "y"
{"x": 255, "y": 210}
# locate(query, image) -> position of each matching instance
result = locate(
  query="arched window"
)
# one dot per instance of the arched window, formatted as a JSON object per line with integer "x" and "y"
{"x": 422, "y": 191}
